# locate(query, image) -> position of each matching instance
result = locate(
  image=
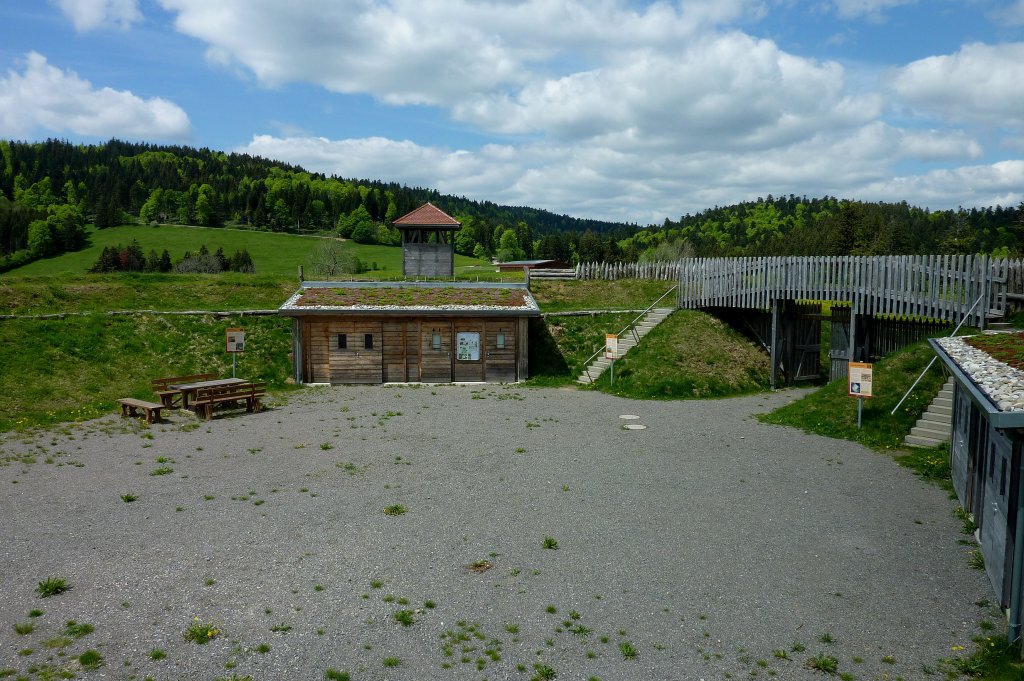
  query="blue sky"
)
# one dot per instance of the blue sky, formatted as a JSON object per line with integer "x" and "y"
{"x": 607, "y": 109}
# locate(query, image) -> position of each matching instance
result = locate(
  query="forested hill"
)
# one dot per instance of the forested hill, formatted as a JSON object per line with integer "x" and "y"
{"x": 117, "y": 180}
{"x": 50, "y": 190}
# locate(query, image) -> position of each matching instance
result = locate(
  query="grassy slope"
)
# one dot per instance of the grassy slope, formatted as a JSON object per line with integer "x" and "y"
{"x": 58, "y": 370}
{"x": 274, "y": 253}
{"x": 625, "y": 294}
{"x": 830, "y": 411}
{"x": 690, "y": 355}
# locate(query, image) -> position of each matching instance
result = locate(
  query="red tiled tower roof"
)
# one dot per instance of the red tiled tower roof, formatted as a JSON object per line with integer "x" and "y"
{"x": 427, "y": 215}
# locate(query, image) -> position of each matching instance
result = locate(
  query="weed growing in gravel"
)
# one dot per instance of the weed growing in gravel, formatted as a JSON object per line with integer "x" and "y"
{"x": 334, "y": 675}
{"x": 781, "y": 654}
{"x": 263, "y": 648}
{"x": 976, "y": 560}
{"x": 405, "y": 618}
{"x": 968, "y": 525}
{"x": 23, "y": 628}
{"x": 550, "y": 543}
{"x": 627, "y": 650}
{"x": 826, "y": 638}
{"x": 201, "y": 632}
{"x": 391, "y": 661}
{"x": 479, "y": 566}
{"x": 551, "y": 609}
{"x": 35, "y": 613}
{"x": 128, "y": 498}
{"x": 397, "y": 509}
{"x": 823, "y": 663}
{"x": 281, "y": 628}
{"x": 76, "y": 629}
{"x": 429, "y": 604}
{"x": 798, "y": 647}
{"x": 542, "y": 672}
{"x": 157, "y": 654}
{"x": 326, "y": 445}
{"x": 376, "y": 584}
{"x": 162, "y": 470}
{"x": 90, "y": 659}
{"x": 52, "y": 586}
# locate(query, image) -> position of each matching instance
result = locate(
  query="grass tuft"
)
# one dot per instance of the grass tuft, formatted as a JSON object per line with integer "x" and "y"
{"x": 52, "y": 586}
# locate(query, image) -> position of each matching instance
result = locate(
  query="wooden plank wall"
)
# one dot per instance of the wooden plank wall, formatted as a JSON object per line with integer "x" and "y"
{"x": 402, "y": 350}
{"x": 932, "y": 286}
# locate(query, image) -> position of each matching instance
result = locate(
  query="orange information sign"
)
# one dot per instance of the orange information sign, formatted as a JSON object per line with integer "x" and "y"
{"x": 859, "y": 375}
{"x": 611, "y": 346}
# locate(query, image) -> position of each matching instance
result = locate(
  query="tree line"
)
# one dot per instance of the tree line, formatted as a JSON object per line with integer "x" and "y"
{"x": 50, "y": 190}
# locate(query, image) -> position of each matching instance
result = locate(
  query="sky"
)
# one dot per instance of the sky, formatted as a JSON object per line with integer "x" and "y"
{"x": 620, "y": 110}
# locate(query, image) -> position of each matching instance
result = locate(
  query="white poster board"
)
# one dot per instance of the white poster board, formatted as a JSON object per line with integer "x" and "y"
{"x": 859, "y": 374}
{"x": 236, "y": 340}
{"x": 467, "y": 346}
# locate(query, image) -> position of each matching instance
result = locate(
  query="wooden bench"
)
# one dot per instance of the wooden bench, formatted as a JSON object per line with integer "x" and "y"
{"x": 129, "y": 405}
{"x": 168, "y": 395}
{"x": 207, "y": 398}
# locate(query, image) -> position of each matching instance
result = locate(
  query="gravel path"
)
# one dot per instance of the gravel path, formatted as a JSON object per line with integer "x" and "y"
{"x": 704, "y": 542}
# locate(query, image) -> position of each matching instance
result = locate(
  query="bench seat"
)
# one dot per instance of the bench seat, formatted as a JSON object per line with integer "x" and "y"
{"x": 130, "y": 407}
{"x": 207, "y": 398}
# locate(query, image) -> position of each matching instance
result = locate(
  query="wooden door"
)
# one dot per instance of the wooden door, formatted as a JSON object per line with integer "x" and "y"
{"x": 436, "y": 351}
{"x": 356, "y": 352}
{"x": 500, "y": 352}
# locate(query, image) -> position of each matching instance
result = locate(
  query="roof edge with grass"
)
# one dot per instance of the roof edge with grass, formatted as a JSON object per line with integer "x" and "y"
{"x": 406, "y": 297}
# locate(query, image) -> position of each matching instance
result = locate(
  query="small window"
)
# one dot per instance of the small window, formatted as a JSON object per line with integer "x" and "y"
{"x": 368, "y": 341}
{"x": 499, "y": 340}
{"x": 435, "y": 341}
{"x": 342, "y": 341}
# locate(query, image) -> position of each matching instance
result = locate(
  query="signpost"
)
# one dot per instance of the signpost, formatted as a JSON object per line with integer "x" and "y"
{"x": 859, "y": 375}
{"x": 235, "y": 344}
{"x": 611, "y": 351}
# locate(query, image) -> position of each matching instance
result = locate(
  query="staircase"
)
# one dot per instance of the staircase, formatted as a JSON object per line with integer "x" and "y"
{"x": 627, "y": 339}
{"x": 935, "y": 425}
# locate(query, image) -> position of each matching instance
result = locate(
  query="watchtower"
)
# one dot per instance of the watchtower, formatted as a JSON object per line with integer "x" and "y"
{"x": 428, "y": 248}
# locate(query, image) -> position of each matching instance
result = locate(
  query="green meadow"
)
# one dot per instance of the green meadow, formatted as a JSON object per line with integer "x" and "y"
{"x": 274, "y": 253}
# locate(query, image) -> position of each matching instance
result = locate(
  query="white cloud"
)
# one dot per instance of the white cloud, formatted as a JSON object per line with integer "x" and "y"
{"x": 978, "y": 84}
{"x": 726, "y": 91}
{"x": 432, "y": 51}
{"x": 1000, "y": 183}
{"x": 43, "y": 97}
{"x": 1011, "y": 14}
{"x": 631, "y": 184}
{"x": 870, "y": 9}
{"x": 87, "y": 15}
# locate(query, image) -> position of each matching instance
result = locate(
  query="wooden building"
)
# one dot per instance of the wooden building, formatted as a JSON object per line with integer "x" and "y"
{"x": 408, "y": 332}
{"x": 986, "y": 467}
{"x": 428, "y": 236}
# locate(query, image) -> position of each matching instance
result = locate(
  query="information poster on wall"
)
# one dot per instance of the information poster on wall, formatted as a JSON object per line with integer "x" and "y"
{"x": 860, "y": 379}
{"x": 467, "y": 346}
{"x": 236, "y": 340}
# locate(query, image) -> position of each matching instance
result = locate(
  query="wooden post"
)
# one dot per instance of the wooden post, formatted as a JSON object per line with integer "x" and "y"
{"x": 302, "y": 277}
{"x": 776, "y": 335}
{"x": 526, "y": 277}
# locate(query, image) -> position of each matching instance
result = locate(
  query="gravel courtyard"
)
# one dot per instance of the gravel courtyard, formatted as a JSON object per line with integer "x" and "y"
{"x": 706, "y": 546}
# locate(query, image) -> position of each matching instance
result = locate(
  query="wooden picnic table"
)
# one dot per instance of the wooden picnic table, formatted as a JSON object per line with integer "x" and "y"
{"x": 188, "y": 389}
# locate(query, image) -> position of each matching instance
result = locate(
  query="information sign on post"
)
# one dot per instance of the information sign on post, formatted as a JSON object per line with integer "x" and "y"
{"x": 235, "y": 345}
{"x": 236, "y": 340}
{"x": 859, "y": 383}
{"x": 611, "y": 346}
{"x": 611, "y": 351}
{"x": 860, "y": 379}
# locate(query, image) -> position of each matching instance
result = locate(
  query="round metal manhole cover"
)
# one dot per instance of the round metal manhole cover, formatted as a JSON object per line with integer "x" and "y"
{"x": 634, "y": 426}
{"x": 629, "y": 417}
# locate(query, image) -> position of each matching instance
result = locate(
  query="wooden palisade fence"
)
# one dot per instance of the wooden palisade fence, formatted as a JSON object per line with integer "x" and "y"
{"x": 930, "y": 287}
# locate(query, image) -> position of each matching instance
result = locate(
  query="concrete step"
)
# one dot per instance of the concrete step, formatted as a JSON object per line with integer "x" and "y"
{"x": 918, "y": 441}
{"x": 943, "y": 402}
{"x": 944, "y": 412}
{"x": 943, "y": 425}
{"x": 935, "y": 434}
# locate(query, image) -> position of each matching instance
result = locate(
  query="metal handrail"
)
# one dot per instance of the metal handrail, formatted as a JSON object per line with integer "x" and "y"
{"x": 630, "y": 326}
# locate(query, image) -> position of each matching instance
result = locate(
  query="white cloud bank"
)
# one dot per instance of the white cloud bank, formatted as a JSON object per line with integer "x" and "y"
{"x": 45, "y": 97}
{"x": 87, "y": 15}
